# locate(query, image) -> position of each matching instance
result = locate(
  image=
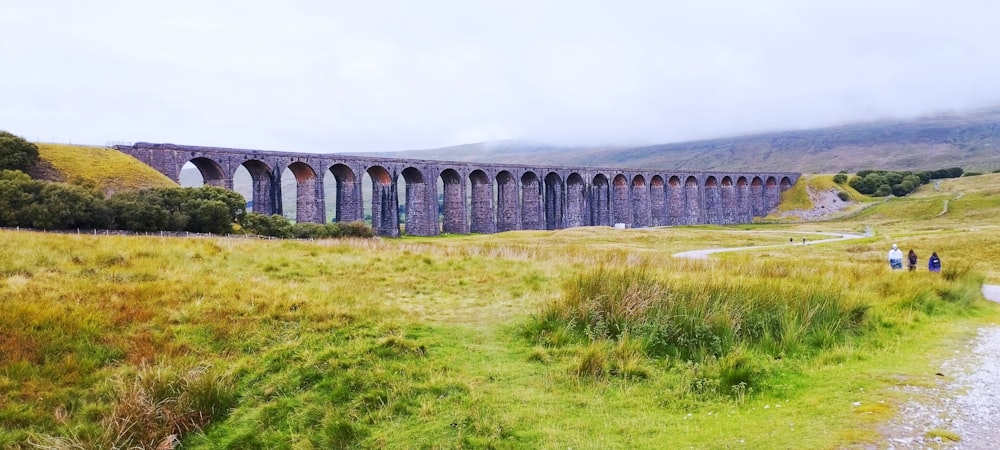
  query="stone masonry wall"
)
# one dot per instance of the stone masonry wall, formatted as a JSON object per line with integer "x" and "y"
{"x": 462, "y": 197}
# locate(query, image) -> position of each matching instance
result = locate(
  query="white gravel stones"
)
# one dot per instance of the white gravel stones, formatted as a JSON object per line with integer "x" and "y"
{"x": 966, "y": 402}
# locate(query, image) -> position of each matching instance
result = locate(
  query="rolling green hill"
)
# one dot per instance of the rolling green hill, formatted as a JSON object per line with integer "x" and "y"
{"x": 970, "y": 140}
{"x": 109, "y": 170}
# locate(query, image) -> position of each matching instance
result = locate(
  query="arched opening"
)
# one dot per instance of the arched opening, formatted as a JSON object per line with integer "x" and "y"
{"x": 201, "y": 171}
{"x": 554, "y": 197}
{"x": 576, "y": 201}
{"x": 254, "y": 180}
{"x": 508, "y": 217}
{"x": 620, "y": 212}
{"x": 481, "y": 220}
{"x": 600, "y": 201}
{"x": 384, "y": 202}
{"x": 301, "y": 193}
{"x": 452, "y": 207}
{"x": 343, "y": 195}
{"x": 657, "y": 202}
{"x": 243, "y": 185}
{"x": 531, "y": 202}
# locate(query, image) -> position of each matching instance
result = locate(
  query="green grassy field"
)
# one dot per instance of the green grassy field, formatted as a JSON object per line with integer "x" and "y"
{"x": 580, "y": 338}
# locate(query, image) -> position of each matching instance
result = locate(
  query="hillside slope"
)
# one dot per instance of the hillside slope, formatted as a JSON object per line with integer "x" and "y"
{"x": 970, "y": 140}
{"x": 109, "y": 170}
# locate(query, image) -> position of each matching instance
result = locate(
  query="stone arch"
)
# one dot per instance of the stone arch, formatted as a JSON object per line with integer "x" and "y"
{"x": 308, "y": 193}
{"x": 453, "y": 203}
{"x": 418, "y": 216}
{"x": 211, "y": 171}
{"x": 757, "y": 196}
{"x": 744, "y": 202}
{"x": 555, "y": 207}
{"x": 639, "y": 195}
{"x": 728, "y": 201}
{"x": 772, "y": 194}
{"x": 657, "y": 202}
{"x": 692, "y": 204}
{"x": 263, "y": 190}
{"x": 599, "y": 199}
{"x": 508, "y": 217}
{"x": 385, "y": 204}
{"x": 620, "y": 211}
{"x": 347, "y": 205}
{"x": 713, "y": 211}
{"x": 576, "y": 201}
{"x": 675, "y": 201}
{"x": 531, "y": 202}
{"x": 482, "y": 203}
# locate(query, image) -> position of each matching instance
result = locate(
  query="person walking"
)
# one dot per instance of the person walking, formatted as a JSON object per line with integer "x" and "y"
{"x": 911, "y": 261}
{"x": 934, "y": 263}
{"x": 895, "y": 258}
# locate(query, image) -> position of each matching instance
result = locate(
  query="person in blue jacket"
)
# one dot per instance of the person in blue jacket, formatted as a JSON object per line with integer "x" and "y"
{"x": 934, "y": 263}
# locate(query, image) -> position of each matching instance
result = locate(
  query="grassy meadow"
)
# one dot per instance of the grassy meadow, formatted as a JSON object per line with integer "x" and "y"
{"x": 584, "y": 338}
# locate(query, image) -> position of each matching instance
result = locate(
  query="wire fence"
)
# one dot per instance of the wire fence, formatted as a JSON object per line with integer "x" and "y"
{"x": 105, "y": 232}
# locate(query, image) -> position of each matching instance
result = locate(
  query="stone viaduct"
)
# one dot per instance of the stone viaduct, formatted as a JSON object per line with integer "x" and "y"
{"x": 462, "y": 197}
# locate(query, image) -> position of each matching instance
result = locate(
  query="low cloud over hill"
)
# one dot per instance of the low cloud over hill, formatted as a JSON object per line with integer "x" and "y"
{"x": 969, "y": 140}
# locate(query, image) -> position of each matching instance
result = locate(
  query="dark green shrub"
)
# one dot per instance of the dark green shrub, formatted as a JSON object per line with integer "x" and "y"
{"x": 16, "y": 153}
{"x": 49, "y": 206}
{"x": 265, "y": 225}
{"x": 208, "y": 209}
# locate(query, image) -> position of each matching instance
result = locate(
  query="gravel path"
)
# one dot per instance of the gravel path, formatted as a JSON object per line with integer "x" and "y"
{"x": 965, "y": 402}
{"x": 703, "y": 254}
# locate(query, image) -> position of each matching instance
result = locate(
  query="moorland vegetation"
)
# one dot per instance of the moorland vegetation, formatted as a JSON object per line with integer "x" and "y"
{"x": 582, "y": 338}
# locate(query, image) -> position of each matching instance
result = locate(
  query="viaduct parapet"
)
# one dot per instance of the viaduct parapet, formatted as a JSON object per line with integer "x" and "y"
{"x": 463, "y": 197}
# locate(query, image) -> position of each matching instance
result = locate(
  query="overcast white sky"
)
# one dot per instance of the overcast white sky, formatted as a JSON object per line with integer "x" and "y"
{"x": 378, "y": 75}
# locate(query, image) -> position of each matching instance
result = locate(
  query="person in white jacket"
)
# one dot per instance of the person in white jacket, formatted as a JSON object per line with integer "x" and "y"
{"x": 895, "y": 258}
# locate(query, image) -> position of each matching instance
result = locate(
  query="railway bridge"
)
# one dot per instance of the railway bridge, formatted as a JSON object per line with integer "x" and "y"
{"x": 464, "y": 197}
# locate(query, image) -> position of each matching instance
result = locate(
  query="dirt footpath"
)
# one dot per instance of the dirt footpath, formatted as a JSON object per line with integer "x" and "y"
{"x": 965, "y": 403}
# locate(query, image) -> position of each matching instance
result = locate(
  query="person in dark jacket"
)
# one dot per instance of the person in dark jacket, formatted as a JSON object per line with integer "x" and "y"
{"x": 911, "y": 261}
{"x": 934, "y": 263}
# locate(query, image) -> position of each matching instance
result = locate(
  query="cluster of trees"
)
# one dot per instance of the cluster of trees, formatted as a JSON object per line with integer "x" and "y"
{"x": 277, "y": 226}
{"x": 16, "y": 153}
{"x": 882, "y": 183}
{"x": 47, "y": 205}
{"x": 29, "y": 203}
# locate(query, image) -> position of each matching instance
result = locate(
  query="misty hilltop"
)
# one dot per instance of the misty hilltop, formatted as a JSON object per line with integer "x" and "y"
{"x": 969, "y": 140}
